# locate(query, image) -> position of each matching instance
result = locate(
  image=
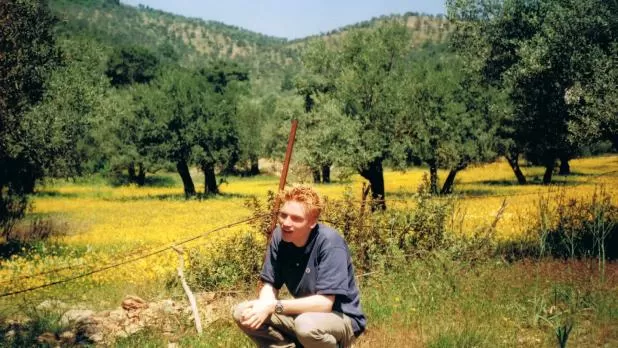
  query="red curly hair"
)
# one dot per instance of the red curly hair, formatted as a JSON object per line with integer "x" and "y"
{"x": 304, "y": 194}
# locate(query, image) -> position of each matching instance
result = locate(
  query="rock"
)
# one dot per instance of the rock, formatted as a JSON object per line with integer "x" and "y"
{"x": 133, "y": 328}
{"x": 48, "y": 338}
{"x": 96, "y": 338}
{"x": 75, "y": 316}
{"x": 131, "y": 303}
{"x": 117, "y": 315}
{"x": 9, "y": 335}
{"x": 49, "y": 305}
{"x": 168, "y": 307}
{"x": 67, "y": 338}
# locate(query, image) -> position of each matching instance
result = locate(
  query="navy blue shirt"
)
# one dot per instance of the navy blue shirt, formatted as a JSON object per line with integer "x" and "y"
{"x": 323, "y": 266}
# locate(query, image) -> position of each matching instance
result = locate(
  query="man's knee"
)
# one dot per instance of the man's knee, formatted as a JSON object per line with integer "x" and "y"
{"x": 307, "y": 327}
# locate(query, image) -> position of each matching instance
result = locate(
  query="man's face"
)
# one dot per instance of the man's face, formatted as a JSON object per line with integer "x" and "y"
{"x": 296, "y": 223}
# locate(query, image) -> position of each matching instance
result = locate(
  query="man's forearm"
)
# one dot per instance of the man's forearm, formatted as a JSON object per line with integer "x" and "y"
{"x": 268, "y": 292}
{"x": 313, "y": 303}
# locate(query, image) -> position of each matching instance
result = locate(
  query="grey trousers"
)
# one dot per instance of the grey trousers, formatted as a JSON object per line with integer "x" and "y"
{"x": 309, "y": 330}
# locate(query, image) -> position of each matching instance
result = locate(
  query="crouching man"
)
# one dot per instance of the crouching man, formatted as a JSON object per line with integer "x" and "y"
{"x": 314, "y": 263}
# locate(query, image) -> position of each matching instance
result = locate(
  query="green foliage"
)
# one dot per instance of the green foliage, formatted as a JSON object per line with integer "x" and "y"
{"x": 63, "y": 127}
{"x": 361, "y": 75}
{"x": 551, "y": 57}
{"x": 236, "y": 264}
{"x": 186, "y": 117}
{"x": 252, "y": 117}
{"x": 449, "y": 120}
{"x": 130, "y": 65}
{"x": 326, "y": 137}
{"x": 379, "y": 241}
{"x": 29, "y": 54}
{"x": 27, "y": 334}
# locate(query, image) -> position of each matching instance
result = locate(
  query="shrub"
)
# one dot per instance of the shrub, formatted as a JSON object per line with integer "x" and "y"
{"x": 235, "y": 264}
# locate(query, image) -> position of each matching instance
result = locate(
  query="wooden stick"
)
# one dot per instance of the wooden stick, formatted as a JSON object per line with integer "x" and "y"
{"x": 284, "y": 176}
{"x": 282, "y": 180}
{"x": 185, "y": 286}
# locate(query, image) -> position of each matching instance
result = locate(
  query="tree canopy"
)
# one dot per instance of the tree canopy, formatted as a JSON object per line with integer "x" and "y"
{"x": 28, "y": 56}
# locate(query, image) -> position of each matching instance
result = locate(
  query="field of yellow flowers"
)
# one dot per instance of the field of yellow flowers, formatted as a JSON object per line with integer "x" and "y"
{"x": 106, "y": 225}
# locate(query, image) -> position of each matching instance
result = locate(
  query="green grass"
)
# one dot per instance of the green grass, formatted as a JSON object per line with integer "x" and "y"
{"x": 435, "y": 302}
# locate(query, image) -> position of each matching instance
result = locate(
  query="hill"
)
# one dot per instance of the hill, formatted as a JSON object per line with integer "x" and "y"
{"x": 192, "y": 41}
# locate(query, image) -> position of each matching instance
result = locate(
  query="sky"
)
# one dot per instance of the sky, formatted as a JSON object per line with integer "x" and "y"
{"x": 291, "y": 19}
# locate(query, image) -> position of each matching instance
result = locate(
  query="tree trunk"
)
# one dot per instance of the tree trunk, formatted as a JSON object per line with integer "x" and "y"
{"x": 141, "y": 175}
{"x": 255, "y": 168}
{"x": 132, "y": 175}
{"x": 433, "y": 177}
{"x": 326, "y": 174}
{"x": 187, "y": 182}
{"x": 317, "y": 178}
{"x": 565, "y": 168}
{"x": 549, "y": 170}
{"x": 447, "y": 187}
{"x": 375, "y": 174}
{"x": 514, "y": 163}
{"x": 210, "y": 181}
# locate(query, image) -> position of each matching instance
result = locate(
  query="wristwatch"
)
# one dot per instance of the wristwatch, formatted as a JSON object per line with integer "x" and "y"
{"x": 279, "y": 307}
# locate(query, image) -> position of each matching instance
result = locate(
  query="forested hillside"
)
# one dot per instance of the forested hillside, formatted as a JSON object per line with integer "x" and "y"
{"x": 190, "y": 41}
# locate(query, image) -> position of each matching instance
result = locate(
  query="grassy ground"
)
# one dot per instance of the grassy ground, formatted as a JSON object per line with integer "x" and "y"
{"x": 440, "y": 303}
{"x": 426, "y": 303}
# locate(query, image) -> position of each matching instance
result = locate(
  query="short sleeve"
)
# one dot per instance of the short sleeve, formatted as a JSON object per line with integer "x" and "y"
{"x": 271, "y": 270}
{"x": 333, "y": 275}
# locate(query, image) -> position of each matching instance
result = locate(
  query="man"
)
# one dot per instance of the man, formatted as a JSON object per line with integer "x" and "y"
{"x": 314, "y": 263}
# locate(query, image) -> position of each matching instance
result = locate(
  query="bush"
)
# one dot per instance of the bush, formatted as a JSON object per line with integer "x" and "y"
{"x": 235, "y": 264}
{"x": 383, "y": 239}
{"x": 377, "y": 240}
{"x": 39, "y": 229}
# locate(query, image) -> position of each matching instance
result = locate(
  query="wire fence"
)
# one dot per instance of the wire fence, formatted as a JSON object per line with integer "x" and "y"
{"x": 126, "y": 261}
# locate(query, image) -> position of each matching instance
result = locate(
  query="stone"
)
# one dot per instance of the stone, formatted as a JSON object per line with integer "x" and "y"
{"x": 168, "y": 307}
{"x": 48, "y": 338}
{"x": 117, "y": 315}
{"x": 75, "y": 316}
{"x": 67, "y": 338}
{"x": 49, "y": 305}
{"x": 9, "y": 335}
{"x": 131, "y": 303}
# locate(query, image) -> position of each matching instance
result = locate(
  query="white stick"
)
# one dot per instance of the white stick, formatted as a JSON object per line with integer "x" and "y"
{"x": 196, "y": 314}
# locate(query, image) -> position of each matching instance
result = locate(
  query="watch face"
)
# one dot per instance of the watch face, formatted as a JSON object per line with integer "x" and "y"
{"x": 279, "y": 308}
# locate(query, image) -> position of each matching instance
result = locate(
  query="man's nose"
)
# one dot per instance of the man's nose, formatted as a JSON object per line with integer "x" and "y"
{"x": 286, "y": 221}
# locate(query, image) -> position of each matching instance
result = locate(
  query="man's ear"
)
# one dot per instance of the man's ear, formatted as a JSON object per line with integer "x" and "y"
{"x": 314, "y": 221}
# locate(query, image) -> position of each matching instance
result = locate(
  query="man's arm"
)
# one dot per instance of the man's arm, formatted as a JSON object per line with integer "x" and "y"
{"x": 258, "y": 310}
{"x": 268, "y": 292}
{"x": 313, "y": 303}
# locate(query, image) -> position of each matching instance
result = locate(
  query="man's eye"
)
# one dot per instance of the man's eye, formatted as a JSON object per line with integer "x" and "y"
{"x": 297, "y": 219}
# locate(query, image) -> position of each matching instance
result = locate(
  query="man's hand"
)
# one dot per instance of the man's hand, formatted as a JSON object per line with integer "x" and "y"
{"x": 257, "y": 312}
